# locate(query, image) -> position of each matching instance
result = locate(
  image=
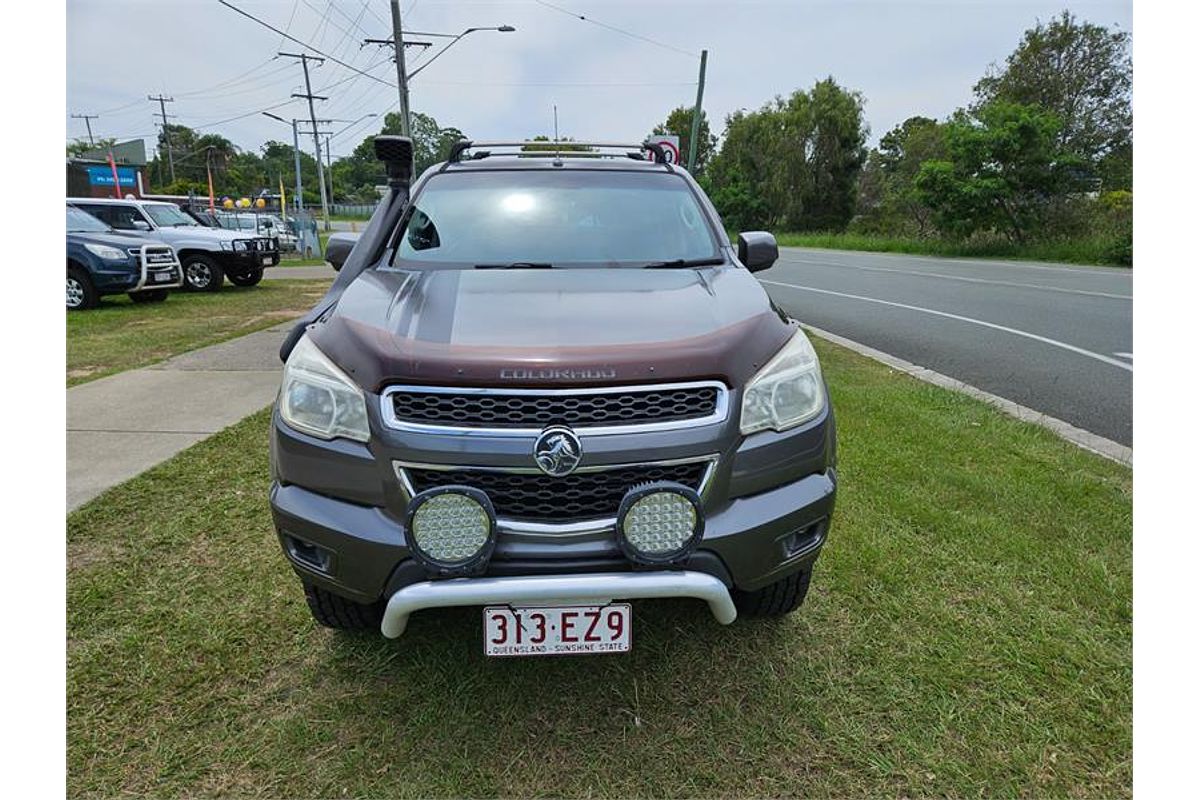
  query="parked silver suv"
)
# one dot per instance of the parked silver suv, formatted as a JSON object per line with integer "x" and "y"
{"x": 544, "y": 385}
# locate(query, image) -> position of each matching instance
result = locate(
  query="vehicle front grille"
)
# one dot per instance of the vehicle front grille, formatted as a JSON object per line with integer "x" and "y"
{"x": 498, "y": 409}
{"x": 542, "y": 498}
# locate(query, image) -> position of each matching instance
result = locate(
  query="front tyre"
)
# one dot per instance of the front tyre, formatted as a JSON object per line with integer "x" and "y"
{"x": 335, "y": 611}
{"x": 202, "y": 274}
{"x": 81, "y": 293}
{"x": 776, "y": 599}
{"x": 250, "y": 278}
{"x": 149, "y": 296}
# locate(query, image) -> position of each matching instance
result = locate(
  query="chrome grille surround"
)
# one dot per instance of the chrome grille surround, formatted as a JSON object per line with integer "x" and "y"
{"x": 564, "y": 407}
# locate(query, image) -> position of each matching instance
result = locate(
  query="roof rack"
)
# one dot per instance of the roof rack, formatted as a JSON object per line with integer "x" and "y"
{"x": 548, "y": 149}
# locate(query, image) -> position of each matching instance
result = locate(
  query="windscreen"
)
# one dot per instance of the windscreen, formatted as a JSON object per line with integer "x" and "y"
{"x": 556, "y": 218}
{"x": 83, "y": 222}
{"x": 166, "y": 216}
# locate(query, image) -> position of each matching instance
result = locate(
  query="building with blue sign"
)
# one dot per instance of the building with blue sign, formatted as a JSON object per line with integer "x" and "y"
{"x": 91, "y": 175}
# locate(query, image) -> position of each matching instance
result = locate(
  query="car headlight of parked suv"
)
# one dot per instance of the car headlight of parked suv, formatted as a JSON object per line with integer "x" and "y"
{"x": 319, "y": 399}
{"x": 787, "y": 391}
{"x": 106, "y": 252}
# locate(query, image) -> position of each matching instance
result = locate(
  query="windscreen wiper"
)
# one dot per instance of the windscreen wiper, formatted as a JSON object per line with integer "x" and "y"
{"x": 517, "y": 265}
{"x": 686, "y": 262}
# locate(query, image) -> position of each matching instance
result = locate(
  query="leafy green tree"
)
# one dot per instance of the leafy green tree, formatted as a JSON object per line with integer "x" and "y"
{"x": 78, "y": 147}
{"x": 1004, "y": 169}
{"x": 679, "y": 123}
{"x": 360, "y": 170}
{"x": 1083, "y": 74}
{"x": 888, "y": 201}
{"x": 793, "y": 163}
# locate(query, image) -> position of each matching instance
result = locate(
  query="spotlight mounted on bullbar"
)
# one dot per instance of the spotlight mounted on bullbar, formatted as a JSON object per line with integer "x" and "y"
{"x": 659, "y": 523}
{"x": 451, "y": 530}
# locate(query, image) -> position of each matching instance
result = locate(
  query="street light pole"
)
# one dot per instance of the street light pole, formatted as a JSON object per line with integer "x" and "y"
{"x": 401, "y": 74}
{"x": 299, "y": 199}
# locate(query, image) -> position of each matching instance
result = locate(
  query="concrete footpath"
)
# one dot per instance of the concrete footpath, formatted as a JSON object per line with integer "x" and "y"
{"x": 122, "y": 425}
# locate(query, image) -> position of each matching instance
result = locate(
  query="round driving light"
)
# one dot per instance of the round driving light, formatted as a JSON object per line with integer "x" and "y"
{"x": 659, "y": 523}
{"x": 452, "y": 529}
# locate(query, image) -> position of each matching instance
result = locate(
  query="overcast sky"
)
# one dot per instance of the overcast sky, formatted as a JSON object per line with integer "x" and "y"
{"x": 905, "y": 57}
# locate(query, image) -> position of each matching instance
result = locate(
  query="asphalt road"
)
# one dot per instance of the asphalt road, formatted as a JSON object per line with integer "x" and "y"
{"x": 1055, "y": 338}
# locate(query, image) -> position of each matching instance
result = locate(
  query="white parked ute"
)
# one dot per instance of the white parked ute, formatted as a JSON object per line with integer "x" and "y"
{"x": 208, "y": 255}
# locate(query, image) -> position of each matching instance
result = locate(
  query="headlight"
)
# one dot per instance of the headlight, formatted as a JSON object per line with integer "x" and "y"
{"x": 106, "y": 252}
{"x": 659, "y": 522}
{"x": 785, "y": 392}
{"x": 241, "y": 244}
{"x": 226, "y": 245}
{"x": 318, "y": 398}
{"x": 451, "y": 529}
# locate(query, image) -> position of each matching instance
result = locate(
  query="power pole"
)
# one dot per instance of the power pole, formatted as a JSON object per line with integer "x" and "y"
{"x": 162, "y": 109}
{"x": 693, "y": 140}
{"x": 308, "y": 95}
{"x": 401, "y": 72}
{"x": 87, "y": 119}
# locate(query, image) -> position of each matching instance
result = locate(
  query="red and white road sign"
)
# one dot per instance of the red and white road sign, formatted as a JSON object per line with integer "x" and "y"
{"x": 670, "y": 146}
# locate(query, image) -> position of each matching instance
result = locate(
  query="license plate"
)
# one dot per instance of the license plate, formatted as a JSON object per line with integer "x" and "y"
{"x": 162, "y": 277}
{"x": 557, "y": 630}
{"x": 268, "y": 261}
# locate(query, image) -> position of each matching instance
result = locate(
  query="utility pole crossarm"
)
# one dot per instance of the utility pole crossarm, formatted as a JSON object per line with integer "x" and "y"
{"x": 87, "y": 119}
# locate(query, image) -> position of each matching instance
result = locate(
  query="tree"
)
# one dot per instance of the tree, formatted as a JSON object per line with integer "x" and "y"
{"x": 794, "y": 162}
{"x": 360, "y": 169}
{"x": 679, "y": 123}
{"x": 1004, "y": 169}
{"x": 888, "y": 201}
{"x": 78, "y": 147}
{"x": 1083, "y": 74}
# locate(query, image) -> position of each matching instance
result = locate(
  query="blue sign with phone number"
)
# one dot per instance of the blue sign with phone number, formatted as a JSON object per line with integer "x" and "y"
{"x": 102, "y": 176}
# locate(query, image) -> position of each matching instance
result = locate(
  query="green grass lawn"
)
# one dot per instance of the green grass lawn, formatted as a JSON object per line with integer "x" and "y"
{"x": 968, "y": 633}
{"x": 1090, "y": 251}
{"x": 121, "y": 334}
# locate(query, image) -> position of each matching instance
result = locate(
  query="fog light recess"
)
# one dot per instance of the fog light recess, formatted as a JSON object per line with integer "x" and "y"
{"x": 452, "y": 530}
{"x": 659, "y": 523}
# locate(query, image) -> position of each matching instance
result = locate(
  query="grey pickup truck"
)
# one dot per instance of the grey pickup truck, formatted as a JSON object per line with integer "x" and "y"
{"x": 547, "y": 384}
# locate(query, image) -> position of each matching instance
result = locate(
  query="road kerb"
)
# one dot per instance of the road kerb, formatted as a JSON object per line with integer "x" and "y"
{"x": 1111, "y": 450}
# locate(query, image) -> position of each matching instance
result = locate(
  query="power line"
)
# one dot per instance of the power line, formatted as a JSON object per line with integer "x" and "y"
{"x": 302, "y": 43}
{"x": 615, "y": 29}
{"x": 243, "y": 116}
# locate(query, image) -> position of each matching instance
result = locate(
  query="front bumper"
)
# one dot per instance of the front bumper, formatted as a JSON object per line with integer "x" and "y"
{"x": 361, "y": 552}
{"x": 601, "y": 588}
{"x": 238, "y": 261}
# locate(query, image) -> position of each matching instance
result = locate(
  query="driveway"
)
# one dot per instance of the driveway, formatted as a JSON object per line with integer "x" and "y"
{"x": 1055, "y": 338}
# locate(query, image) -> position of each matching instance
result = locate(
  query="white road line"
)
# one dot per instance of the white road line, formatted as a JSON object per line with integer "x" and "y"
{"x": 1085, "y": 439}
{"x": 962, "y": 278}
{"x": 983, "y": 323}
{"x": 1124, "y": 355}
{"x": 973, "y": 262}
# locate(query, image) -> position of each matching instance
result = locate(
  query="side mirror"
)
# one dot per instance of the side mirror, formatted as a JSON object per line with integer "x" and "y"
{"x": 757, "y": 250}
{"x": 268, "y": 224}
{"x": 141, "y": 225}
{"x": 338, "y": 248}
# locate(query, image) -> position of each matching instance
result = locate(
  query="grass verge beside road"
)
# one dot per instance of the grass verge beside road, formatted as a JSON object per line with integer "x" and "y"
{"x": 968, "y": 633}
{"x": 121, "y": 334}
{"x": 1094, "y": 251}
